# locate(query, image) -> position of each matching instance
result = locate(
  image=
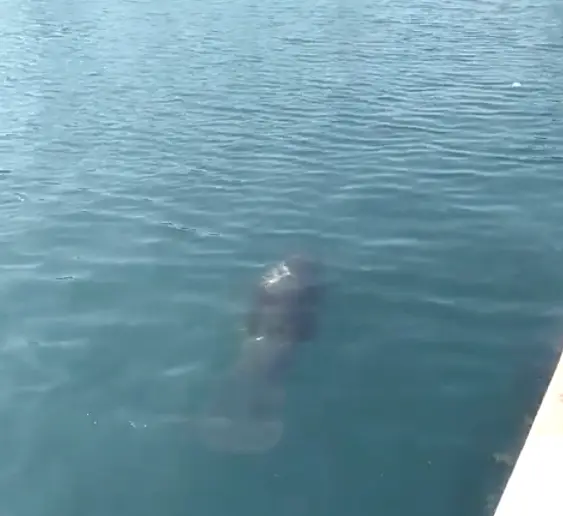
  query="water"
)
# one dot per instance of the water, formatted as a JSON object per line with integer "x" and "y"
{"x": 156, "y": 155}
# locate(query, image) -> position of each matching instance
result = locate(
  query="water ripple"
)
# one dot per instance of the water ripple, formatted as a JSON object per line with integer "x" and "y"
{"x": 155, "y": 156}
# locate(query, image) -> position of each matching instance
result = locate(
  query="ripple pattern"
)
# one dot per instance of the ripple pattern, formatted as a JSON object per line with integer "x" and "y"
{"x": 155, "y": 155}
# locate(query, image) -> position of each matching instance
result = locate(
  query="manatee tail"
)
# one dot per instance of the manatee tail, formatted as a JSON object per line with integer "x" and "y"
{"x": 226, "y": 434}
{"x": 223, "y": 433}
{"x": 244, "y": 416}
{"x": 240, "y": 435}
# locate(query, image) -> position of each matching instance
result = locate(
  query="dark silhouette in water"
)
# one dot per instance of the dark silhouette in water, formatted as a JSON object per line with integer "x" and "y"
{"x": 245, "y": 413}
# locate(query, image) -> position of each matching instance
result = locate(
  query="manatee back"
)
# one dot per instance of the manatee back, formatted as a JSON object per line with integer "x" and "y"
{"x": 286, "y": 301}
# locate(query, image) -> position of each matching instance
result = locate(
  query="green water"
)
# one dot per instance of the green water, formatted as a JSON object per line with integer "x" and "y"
{"x": 155, "y": 156}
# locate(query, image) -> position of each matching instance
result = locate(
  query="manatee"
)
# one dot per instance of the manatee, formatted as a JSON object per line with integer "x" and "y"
{"x": 244, "y": 414}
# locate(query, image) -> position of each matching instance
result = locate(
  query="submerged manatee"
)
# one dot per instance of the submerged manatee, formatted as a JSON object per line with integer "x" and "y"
{"x": 245, "y": 414}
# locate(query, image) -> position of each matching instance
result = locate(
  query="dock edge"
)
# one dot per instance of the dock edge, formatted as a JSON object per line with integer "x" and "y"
{"x": 535, "y": 486}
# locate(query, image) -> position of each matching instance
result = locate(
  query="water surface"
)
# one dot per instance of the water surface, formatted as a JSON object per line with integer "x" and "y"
{"x": 155, "y": 156}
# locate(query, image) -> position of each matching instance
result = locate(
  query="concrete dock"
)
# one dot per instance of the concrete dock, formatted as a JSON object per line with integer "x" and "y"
{"x": 535, "y": 487}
